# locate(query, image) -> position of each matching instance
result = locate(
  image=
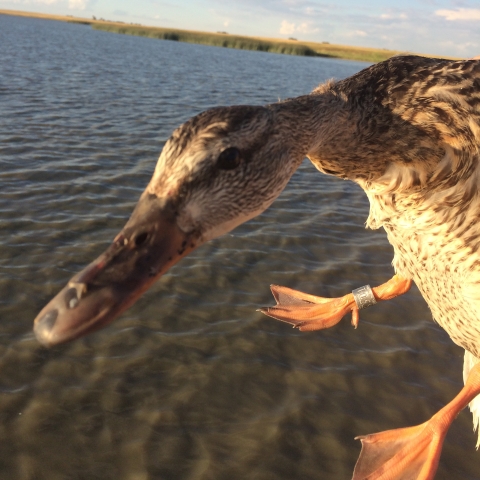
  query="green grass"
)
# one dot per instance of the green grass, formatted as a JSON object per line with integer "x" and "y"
{"x": 80, "y": 22}
{"x": 289, "y": 47}
{"x": 213, "y": 39}
{"x": 372, "y": 55}
{"x": 273, "y": 45}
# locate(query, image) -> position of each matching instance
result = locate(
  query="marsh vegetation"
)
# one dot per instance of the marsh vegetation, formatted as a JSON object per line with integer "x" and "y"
{"x": 292, "y": 46}
{"x": 221, "y": 39}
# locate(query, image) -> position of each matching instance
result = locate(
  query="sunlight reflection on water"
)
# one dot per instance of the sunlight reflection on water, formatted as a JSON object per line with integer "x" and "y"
{"x": 191, "y": 382}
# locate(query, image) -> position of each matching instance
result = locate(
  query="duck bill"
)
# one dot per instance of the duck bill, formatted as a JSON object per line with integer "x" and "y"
{"x": 149, "y": 244}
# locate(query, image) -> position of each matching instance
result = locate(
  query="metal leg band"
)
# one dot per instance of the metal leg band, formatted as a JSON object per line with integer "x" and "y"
{"x": 364, "y": 297}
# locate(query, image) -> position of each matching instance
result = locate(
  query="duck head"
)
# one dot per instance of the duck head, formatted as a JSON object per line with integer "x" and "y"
{"x": 218, "y": 170}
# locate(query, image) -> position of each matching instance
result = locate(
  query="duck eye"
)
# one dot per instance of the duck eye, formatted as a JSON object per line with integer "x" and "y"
{"x": 229, "y": 159}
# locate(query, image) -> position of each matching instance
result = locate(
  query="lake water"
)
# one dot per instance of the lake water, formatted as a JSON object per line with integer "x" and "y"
{"x": 191, "y": 383}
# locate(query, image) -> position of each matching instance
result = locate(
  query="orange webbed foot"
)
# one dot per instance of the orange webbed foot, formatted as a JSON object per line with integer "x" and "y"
{"x": 309, "y": 312}
{"x": 413, "y": 453}
{"x": 404, "y": 454}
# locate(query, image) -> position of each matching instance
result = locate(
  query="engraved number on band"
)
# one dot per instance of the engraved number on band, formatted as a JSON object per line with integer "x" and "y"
{"x": 364, "y": 297}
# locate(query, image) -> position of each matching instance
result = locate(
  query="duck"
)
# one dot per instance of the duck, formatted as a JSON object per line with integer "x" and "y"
{"x": 407, "y": 130}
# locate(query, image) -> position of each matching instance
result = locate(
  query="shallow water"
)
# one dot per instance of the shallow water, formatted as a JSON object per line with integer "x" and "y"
{"x": 192, "y": 382}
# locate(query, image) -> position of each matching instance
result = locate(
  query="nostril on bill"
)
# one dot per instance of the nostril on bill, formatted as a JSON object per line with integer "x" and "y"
{"x": 71, "y": 298}
{"x": 141, "y": 238}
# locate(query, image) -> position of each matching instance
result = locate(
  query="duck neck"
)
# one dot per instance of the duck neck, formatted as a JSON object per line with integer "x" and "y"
{"x": 319, "y": 127}
{"x": 351, "y": 138}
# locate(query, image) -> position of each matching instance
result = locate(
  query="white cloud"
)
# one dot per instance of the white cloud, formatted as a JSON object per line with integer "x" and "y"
{"x": 357, "y": 33}
{"x": 391, "y": 16}
{"x": 226, "y": 23}
{"x": 460, "y": 14}
{"x": 47, "y": 2}
{"x": 306, "y": 27}
{"x": 287, "y": 28}
{"x": 38, "y": 2}
{"x": 460, "y": 47}
{"x": 77, "y": 4}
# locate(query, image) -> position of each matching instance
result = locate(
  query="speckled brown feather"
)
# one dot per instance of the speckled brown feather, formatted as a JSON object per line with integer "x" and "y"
{"x": 407, "y": 130}
{"x": 412, "y": 142}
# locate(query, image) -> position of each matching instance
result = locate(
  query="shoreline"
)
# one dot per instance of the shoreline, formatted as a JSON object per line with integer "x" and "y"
{"x": 225, "y": 40}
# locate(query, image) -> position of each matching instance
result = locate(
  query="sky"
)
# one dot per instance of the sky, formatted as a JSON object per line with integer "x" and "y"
{"x": 438, "y": 27}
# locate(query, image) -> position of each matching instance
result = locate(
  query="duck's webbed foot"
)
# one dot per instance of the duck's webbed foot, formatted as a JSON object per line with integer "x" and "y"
{"x": 404, "y": 454}
{"x": 309, "y": 312}
{"x": 412, "y": 453}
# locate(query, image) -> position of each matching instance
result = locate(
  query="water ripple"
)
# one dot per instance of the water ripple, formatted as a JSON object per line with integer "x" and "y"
{"x": 191, "y": 382}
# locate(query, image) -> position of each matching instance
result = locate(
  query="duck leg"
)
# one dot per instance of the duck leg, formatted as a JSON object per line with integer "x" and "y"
{"x": 308, "y": 312}
{"x": 412, "y": 453}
